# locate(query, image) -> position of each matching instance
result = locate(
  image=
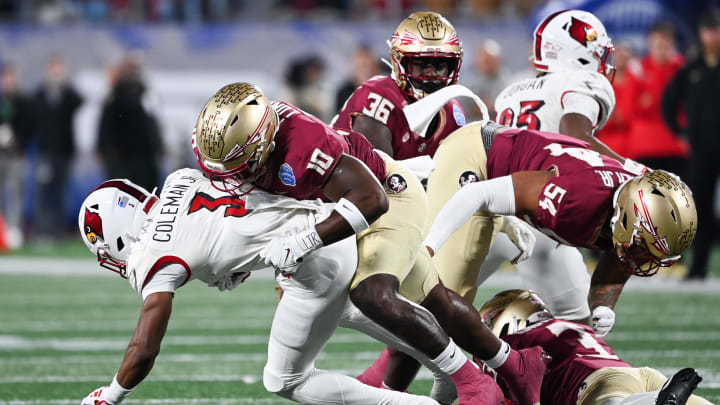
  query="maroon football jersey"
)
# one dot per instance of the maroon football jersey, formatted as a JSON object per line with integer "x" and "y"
{"x": 306, "y": 152}
{"x": 382, "y": 99}
{"x": 576, "y": 352}
{"x": 575, "y": 204}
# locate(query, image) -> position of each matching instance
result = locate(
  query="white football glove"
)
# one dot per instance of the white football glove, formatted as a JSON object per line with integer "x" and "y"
{"x": 96, "y": 397}
{"x": 603, "y": 319}
{"x": 520, "y": 233}
{"x": 286, "y": 253}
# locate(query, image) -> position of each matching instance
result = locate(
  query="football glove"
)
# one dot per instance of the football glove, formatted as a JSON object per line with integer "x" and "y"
{"x": 96, "y": 397}
{"x": 603, "y": 319}
{"x": 521, "y": 235}
{"x": 286, "y": 253}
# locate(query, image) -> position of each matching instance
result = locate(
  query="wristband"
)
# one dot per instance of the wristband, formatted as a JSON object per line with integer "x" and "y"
{"x": 352, "y": 215}
{"x": 115, "y": 393}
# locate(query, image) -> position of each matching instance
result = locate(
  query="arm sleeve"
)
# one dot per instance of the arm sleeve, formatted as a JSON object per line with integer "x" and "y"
{"x": 496, "y": 196}
{"x": 167, "y": 279}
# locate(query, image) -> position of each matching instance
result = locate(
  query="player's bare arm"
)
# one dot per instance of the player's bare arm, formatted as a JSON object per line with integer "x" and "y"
{"x": 375, "y": 131}
{"x": 352, "y": 182}
{"x": 145, "y": 344}
{"x": 580, "y": 127}
{"x": 528, "y": 186}
{"x": 607, "y": 281}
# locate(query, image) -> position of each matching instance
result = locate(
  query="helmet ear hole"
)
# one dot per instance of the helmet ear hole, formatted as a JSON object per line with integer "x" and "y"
{"x": 583, "y": 61}
{"x": 120, "y": 244}
{"x": 672, "y": 213}
{"x": 624, "y": 220}
{"x": 234, "y": 120}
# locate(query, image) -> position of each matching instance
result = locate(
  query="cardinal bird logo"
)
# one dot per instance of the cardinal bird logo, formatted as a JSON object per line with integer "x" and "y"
{"x": 582, "y": 31}
{"x": 92, "y": 226}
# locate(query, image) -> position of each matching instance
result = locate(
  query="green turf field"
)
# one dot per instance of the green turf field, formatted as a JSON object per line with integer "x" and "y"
{"x": 61, "y": 337}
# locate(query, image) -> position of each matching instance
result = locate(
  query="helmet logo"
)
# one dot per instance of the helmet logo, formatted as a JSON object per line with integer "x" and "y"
{"x": 210, "y": 137}
{"x": 407, "y": 38}
{"x": 431, "y": 27}
{"x": 92, "y": 226}
{"x": 453, "y": 40}
{"x": 581, "y": 31}
{"x": 646, "y": 222}
{"x": 239, "y": 150}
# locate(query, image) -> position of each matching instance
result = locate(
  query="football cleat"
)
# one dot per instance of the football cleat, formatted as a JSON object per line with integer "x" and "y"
{"x": 679, "y": 387}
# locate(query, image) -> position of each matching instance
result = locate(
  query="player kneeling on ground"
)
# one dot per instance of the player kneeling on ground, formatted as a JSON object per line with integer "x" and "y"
{"x": 584, "y": 370}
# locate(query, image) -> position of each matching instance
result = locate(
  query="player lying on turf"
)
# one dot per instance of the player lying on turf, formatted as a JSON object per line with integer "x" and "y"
{"x": 584, "y": 370}
{"x": 193, "y": 231}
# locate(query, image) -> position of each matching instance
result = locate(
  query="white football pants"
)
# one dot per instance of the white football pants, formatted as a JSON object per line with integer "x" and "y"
{"x": 556, "y": 272}
{"x": 314, "y": 299}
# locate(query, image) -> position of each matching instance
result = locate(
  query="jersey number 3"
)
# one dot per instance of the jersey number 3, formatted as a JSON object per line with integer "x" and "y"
{"x": 234, "y": 207}
{"x": 527, "y": 117}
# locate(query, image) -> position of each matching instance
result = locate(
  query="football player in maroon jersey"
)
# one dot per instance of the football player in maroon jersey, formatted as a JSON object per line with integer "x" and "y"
{"x": 574, "y": 195}
{"x": 242, "y": 140}
{"x": 426, "y": 55}
{"x": 584, "y": 370}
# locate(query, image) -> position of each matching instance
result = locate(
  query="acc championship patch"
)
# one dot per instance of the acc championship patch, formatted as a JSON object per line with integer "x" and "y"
{"x": 458, "y": 115}
{"x": 286, "y": 175}
{"x": 395, "y": 183}
{"x": 468, "y": 177}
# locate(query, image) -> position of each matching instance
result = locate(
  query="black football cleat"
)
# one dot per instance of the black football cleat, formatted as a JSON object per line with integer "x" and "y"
{"x": 678, "y": 388}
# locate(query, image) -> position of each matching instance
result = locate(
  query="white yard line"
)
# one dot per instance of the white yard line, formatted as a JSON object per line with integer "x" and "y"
{"x": 157, "y": 401}
{"x": 501, "y": 279}
{"x": 15, "y": 342}
{"x": 365, "y": 356}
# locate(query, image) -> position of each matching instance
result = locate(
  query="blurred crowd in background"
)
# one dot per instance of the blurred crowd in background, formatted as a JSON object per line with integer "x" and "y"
{"x": 85, "y": 119}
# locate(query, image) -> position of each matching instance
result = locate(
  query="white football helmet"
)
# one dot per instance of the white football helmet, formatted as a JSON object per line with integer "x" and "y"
{"x": 110, "y": 220}
{"x": 573, "y": 40}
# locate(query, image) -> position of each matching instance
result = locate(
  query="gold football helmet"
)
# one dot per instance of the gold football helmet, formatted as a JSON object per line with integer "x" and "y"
{"x": 513, "y": 310}
{"x": 654, "y": 221}
{"x": 234, "y": 135}
{"x": 424, "y": 35}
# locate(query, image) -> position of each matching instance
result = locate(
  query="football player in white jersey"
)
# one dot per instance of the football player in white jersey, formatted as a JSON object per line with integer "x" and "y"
{"x": 194, "y": 231}
{"x": 571, "y": 95}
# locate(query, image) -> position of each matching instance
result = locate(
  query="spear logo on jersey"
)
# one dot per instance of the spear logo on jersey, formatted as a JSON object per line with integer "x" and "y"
{"x": 582, "y": 31}
{"x": 93, "y": 226}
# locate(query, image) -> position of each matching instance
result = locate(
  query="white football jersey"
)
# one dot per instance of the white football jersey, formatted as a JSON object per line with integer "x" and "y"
{"x": 539, "y": 103}
{"x": 212, "y": 233}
